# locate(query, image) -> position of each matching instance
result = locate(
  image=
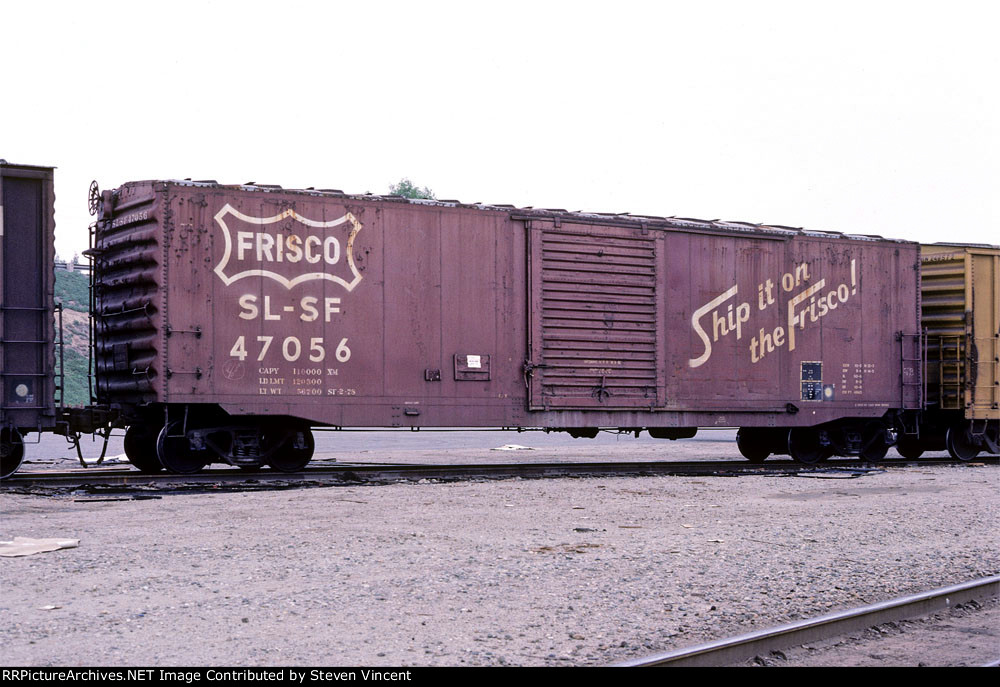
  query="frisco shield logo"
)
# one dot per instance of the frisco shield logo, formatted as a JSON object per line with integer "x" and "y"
{"x": 288, "y": 257}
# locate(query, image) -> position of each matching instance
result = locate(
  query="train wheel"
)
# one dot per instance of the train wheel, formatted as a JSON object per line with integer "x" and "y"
{"x": 909, "y": 448}
{"x": 295, "y": 453}
{"x": 140, "y": 447}
{"x": 960, "y": 444}
{"x": 175, "y": 452}
{"x": 752, "y": 444}
{"x": 993, "y": 433}
{"x": 873, "y": 444}
{"x": 804, "y": 446}
{"x": 11, "y": 451}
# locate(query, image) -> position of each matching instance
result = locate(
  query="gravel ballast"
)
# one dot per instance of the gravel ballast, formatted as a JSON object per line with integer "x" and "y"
{"x": 513, "y": 572}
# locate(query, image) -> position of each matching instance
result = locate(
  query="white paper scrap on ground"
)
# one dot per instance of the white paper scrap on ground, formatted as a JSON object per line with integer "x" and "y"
{"x": 25, "y": 546}
{"x": 120, "y": 458}
{"x": 512, "y": 447}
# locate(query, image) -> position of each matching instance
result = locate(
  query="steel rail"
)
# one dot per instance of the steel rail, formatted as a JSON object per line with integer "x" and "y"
{"x": 380, "y": 472}
{"x": 730, "y": 651}
{"x": 340, "y": 473}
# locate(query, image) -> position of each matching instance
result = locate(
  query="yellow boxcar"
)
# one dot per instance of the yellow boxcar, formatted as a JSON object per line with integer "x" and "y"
{"x": 960, "y": 305}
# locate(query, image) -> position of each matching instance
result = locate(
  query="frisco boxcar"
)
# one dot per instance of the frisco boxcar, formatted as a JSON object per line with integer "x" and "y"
{"x": 27, "y": 329}
{"x": 229, "y": 320}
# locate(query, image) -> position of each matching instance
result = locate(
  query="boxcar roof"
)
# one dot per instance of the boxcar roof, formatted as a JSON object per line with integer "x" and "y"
{"x": 14, "y": 165}
{"x": 964, "y": 245}
{"x": 619, "y": 218}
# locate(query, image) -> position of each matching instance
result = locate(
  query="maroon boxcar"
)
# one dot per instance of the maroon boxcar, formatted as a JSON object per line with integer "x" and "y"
{"x": 231, "y": 319}
{"x": 27, "y": 329}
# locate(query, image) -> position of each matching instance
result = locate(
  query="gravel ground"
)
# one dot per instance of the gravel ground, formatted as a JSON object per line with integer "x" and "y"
{"x": 514, "y": 572}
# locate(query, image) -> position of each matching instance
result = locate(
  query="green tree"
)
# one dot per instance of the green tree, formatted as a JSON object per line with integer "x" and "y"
{"x": 407, "y": 189}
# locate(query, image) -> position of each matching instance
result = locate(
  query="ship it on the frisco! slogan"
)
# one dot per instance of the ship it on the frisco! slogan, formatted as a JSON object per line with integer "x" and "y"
{"x": 804, "y": 302}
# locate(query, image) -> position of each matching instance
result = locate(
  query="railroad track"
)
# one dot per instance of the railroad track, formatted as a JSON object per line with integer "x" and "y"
{"x": 125, "y": 478}
{"x": 733, "y": 650}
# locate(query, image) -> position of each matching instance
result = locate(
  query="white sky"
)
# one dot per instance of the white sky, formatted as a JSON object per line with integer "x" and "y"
{"x": 863, "y": 117}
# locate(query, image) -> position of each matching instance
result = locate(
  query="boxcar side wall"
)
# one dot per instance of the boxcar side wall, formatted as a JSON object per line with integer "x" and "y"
{"x": 816, "y": 326}
{"x": 27, "y": 282}
{"x": 349, "y": 311}
{"x": 760, "y": 330}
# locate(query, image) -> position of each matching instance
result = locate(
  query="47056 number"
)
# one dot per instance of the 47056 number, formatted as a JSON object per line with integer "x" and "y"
{"x": 291, "y": 349}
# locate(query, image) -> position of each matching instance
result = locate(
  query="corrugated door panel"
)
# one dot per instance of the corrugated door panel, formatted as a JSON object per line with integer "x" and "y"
{"x": 595, "y": 317}
{"x": 943, "y": 319}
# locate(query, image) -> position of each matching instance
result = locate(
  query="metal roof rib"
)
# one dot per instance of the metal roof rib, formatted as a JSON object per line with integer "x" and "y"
{"x": 531, "y": 211}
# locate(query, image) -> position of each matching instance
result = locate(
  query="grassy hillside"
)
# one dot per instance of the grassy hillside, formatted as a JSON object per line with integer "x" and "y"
{"x": 72, "y": 291}
{"x": 77, "y": 390}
